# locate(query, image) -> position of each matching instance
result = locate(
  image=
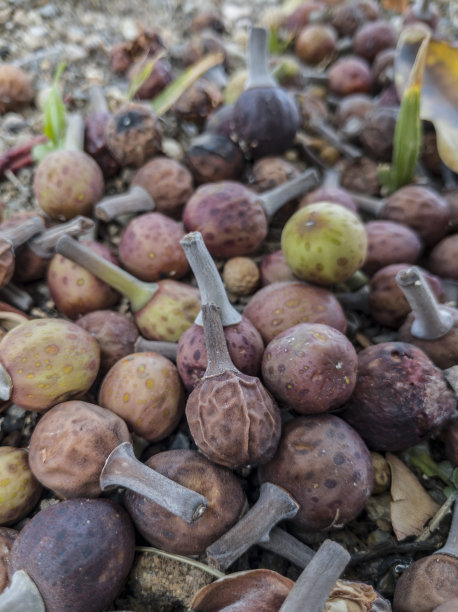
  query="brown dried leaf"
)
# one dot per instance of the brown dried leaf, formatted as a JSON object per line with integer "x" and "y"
{"x": 399, "y": 6}
{"x": 412, "y": 506}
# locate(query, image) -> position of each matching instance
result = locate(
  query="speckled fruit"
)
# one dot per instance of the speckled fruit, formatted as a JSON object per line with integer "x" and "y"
{"x": 169, "y": 532}
{"x": 115, "y": 333}
{"x": 49, "y": 361}
{"x": 400, "y": 398}
{"x": 67, "y": 184}
{"x": 94, "y": 534}
{"x": 326, "y": 466}
{"x": 310, "y": 367}
{"x": 244, "y": 343}
{"x": 168, "y": 182}
{"x": 279, "y": 306}
{"x": 388, "y": 243}
{"x": 70, "y": 444}
{"x": 230, "y": 219}
{"x": 145, "y": 390}
{"x": 274, "y": 269}
{"x": 150, "y": 248}
{"x": 387, "y": 302}
{"x": 19, "y": 489}
{"x": 324, "y": 243}
{"x": 76, "y": 291}
{"x": 350, "y": 75}
{"x": 172, "y": 310}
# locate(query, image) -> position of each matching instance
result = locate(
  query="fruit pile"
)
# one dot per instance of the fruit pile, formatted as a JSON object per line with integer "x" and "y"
{"x": 225, "y": 317}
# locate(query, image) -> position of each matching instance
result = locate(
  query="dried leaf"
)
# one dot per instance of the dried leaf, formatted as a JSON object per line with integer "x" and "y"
{"x": 167, "y": 98}
{"x": 439, "y": 98}
{"x": 399, "y": 6}
{"x": 412, "y": 506}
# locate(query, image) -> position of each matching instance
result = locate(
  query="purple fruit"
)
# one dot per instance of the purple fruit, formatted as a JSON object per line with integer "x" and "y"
{"x": 244, "y": 343}
{"x": 279, "y": 306}
{"x": 310, "y": 367}
{"x": 150, "y": 248}
{"x": 390, "y": 243}
{"x": 326, "y": 466}
{"x": 400, "y": 398}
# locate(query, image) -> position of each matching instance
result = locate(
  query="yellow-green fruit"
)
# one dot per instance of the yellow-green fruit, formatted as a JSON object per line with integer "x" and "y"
{"x": 324, "y": 243}
{"x": 19, "y": 489}
{"x": 49, "y": 361}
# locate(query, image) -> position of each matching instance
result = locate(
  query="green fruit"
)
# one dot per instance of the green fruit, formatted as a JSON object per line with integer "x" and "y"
{"x": 324, "y": 243}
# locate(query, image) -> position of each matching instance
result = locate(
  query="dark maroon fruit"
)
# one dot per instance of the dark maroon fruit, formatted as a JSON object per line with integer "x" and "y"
{"x": 420, "y": 208}
{"x": 442, "y": 258}
{"x": 265, "y": 116}
{"x": 350, "y": 75}
{"x": 159, "y": 78}
{"x": 150, "y": 248}
{"x": 310, "y": 367}
{"x": 244, "y": 343}
{"x": 95, "y": 534}
{"x": 198, "y": 102}
{"x": 387, "y": 303}
{"x": 451, "y": 442}
{"x": 171, "y": 533}
{"x": 300, "y": 17}
{"x": 400, "y": 398}
{"x": 377, "y": 132}
{"x": 133, "y": 134}
{"x": 346, "y": 18}
{"x": 115, "y": 333}
{"x": 219, "y": 122}
{"x": 279, "y": 306}
{"x": 316, "y": 43}
{"x": 212, "y": 157}
{"x": 353, "y": 107}
{"x": 390, "y": 243}
{"x": 96, "y": 146}
{"x": 383, "y": 69}
{"x": 326, "y": 466}
{"x": 335, "y": 195}
{"x": 373, "y": 37}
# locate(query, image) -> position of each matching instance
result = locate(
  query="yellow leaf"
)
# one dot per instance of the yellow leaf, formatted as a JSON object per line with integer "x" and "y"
{"x": 412, "y": 506}
{"x": 439, "y": 97}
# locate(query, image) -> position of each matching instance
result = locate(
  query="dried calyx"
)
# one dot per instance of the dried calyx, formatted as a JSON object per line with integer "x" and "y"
{"x": 233, "y": 419}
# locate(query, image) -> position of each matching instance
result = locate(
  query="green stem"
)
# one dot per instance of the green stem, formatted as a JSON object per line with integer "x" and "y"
{"x": 137, "y": 292}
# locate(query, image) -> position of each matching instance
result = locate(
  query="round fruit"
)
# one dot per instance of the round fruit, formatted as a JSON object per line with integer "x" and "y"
{"x": 324, "y": 243}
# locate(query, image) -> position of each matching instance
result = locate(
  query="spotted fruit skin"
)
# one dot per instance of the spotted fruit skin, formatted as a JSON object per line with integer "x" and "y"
{"x": 279, "y": 306}
{"x": 234, "y": 420}
{"x": 327, "y": 468}
{"x": 67, "y": 184}
{"x": 310, "y": 367}
{"x": 49, "y": 361}
{"x": 170, "y": 312}
{"x": 150, "y": 248}
{"x": 145, "y": 390}
{"x": 324, "y": 243}
{"x": 19, "y": 489}
{"x": 70, "y": 444}
{"x": 400, "y": 398}
{"x": 244, "y": 343}
{"x": 231, "y": 221}
{"x": 74, "y": 289}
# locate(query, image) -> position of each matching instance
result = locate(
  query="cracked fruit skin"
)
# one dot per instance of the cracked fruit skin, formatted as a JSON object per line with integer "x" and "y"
{"x": 49, "y": 361}
{"x": 324, "y": 243}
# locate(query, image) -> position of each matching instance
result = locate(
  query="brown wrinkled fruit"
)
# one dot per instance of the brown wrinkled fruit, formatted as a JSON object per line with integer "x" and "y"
{"x": 70, "y": 444}
{"x": 169, "y": 532}
{"x": 16, "y": 88}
